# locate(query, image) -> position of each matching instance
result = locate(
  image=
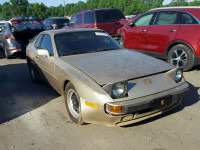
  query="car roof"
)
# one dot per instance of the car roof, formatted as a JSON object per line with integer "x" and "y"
{"x": 97, "y": 9}
{"x": 58, "y": 31}
{"x": 176, "y": 8}
{"x": 57, "y": 18}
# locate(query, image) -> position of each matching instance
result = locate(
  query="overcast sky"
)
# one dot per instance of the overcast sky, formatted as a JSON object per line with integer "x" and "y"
{"x": 58, "y": 2}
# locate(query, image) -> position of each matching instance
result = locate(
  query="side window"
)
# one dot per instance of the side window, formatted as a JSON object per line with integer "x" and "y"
{"x": 37, "y": 43}
{"x": 187, "y": 19}
{"x": 167, "y": 18}
{"x": 72, "y": 20}
{"x": 88, "y": 17}
{"x": 144, "y": 20}
{"x": 47, "y": 44}
{"x": 79, "y": 19}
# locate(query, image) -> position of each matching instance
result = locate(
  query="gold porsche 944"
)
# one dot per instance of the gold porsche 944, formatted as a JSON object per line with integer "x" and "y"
{"x": 100, "y": 81}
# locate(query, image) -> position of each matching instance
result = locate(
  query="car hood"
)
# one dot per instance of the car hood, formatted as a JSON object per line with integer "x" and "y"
{"x": 109, "y": 67}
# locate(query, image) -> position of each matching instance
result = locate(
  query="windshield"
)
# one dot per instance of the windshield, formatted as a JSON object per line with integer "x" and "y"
{"x": 84, "y": 42}
{"x": 108, "y": 15}
{"x": 60, "y": 21}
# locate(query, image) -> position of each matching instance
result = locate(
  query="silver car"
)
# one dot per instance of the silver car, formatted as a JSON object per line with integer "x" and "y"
{"x": 15, "y": 34}
{"x": 100, "y": 81}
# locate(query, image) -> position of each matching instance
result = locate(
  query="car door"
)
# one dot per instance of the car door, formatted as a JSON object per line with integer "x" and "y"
{"x": 136, "y": 33}
{"x": 163, "y": 31}
{"x": 46, "y": 64}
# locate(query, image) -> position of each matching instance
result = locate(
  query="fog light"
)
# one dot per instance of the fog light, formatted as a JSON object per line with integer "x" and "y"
{"x": 116, "y": 109}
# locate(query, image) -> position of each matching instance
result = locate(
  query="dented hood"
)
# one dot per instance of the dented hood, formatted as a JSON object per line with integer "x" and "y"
{"x": 116, "y": 65}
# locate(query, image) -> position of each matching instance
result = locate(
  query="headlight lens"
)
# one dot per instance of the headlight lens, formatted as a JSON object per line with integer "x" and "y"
{"x": 119, "y": 90}
{"x": 179, "y": 75}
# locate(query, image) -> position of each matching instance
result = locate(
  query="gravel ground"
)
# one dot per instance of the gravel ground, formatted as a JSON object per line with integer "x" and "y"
{"x": 34, "y": 117}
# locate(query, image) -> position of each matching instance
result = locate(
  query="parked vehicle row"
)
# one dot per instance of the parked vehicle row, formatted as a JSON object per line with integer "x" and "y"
{"x": 101, "y": 81}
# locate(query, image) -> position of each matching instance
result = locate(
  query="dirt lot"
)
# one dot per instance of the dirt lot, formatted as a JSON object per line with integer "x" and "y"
{"x": 33, "y": 117}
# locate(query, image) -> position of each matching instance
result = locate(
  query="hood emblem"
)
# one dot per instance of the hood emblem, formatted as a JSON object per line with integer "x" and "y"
{"x": 162, "y": 102}
{"x": 148, "y": 81}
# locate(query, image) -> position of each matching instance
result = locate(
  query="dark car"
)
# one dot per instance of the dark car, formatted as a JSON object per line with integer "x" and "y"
{"x": 55, "y": 23}
{"x": 105, "y": 19}
{"x": 15, "y": 34}
{"x": 168, "y": 33}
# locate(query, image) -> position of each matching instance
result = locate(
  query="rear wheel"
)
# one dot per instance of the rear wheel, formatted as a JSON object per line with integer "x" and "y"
{"x": 73, "y": 104}
{"x": 33, "y": 74}
{"x": 180, "y": 56}
{"x": 6, "y": 54}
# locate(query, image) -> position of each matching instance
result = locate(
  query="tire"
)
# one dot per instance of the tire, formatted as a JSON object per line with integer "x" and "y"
{"x": 33, "y": 74}
{"x": 121, "y": 41}
{"x": 6, "y": 54}
{"x": 73, "y": 104}
{"x": 180, "y": 56}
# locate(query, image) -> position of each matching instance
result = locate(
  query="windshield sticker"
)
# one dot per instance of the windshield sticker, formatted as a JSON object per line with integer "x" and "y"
{"x": 101, "y": 34}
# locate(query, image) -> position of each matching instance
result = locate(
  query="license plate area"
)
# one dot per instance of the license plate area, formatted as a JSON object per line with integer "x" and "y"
{"x": 162, "y": 102}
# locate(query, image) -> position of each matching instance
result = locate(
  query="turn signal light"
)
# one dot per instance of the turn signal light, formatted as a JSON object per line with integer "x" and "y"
{"x": 92, "y": 105}
{"x": 95, "y": 27}
{"x": 116, "y": 109}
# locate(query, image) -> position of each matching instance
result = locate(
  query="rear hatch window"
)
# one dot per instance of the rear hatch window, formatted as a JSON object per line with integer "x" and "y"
{"x": 26, "y": 27}
{"x": 108, "y": 15}
{"x": 108, "y": 20}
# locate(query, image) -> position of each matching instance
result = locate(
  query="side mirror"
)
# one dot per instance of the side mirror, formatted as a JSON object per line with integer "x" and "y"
{"x": 123, "y": 21}
{"x": 132, "y": 24}
{"x": 43, "y": 52}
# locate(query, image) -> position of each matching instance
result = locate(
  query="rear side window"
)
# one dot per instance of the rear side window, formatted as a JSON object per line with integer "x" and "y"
{"x": 47, "y": 44}
{"x": 37, "y": 43}
{"x": 88, "y": 17}
{"x": 187, "y": 19}
{"x": 72, "y": 20}
{"x": 108, "y": 15}
{"x": 79, "y": 19}
{"x": 144, "y": 20}
{"x": 167, "y": 18}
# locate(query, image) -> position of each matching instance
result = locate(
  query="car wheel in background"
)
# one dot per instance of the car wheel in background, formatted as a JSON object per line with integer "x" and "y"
{"x": 6, "y": 54}
{"x": 73, "y": 104}
{"x": 181, "y": 56}
{"x": 121, "y": 41}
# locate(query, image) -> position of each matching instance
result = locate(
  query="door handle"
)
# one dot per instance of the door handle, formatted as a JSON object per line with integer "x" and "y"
{"x": 172, "y": 30}
{"x": 143, "y": 30}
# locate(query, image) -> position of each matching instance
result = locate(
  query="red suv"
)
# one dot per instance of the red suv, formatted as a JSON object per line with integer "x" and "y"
{"x": 168, "y": 33}
{"x": 105, "y": 19}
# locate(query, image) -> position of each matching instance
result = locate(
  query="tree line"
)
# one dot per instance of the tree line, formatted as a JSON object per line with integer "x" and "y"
{"x": 16, "y": 8}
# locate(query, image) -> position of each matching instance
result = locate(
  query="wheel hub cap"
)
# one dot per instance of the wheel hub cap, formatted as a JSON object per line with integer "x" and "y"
{"x": 178, "y": 58}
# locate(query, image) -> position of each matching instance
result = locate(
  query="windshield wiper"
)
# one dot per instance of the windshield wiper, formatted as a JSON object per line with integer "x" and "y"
{"x": 72, "y": 53}
{"x": 106, "y": 49}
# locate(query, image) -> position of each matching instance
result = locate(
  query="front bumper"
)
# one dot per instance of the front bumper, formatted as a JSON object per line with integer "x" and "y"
{"x": 147, "y": 107}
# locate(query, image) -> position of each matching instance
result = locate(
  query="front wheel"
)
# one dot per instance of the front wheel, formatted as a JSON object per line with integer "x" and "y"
{"x": 73, "y": 104}
{"x": 180, "y": 56}
{"x": 121, "y": 41}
